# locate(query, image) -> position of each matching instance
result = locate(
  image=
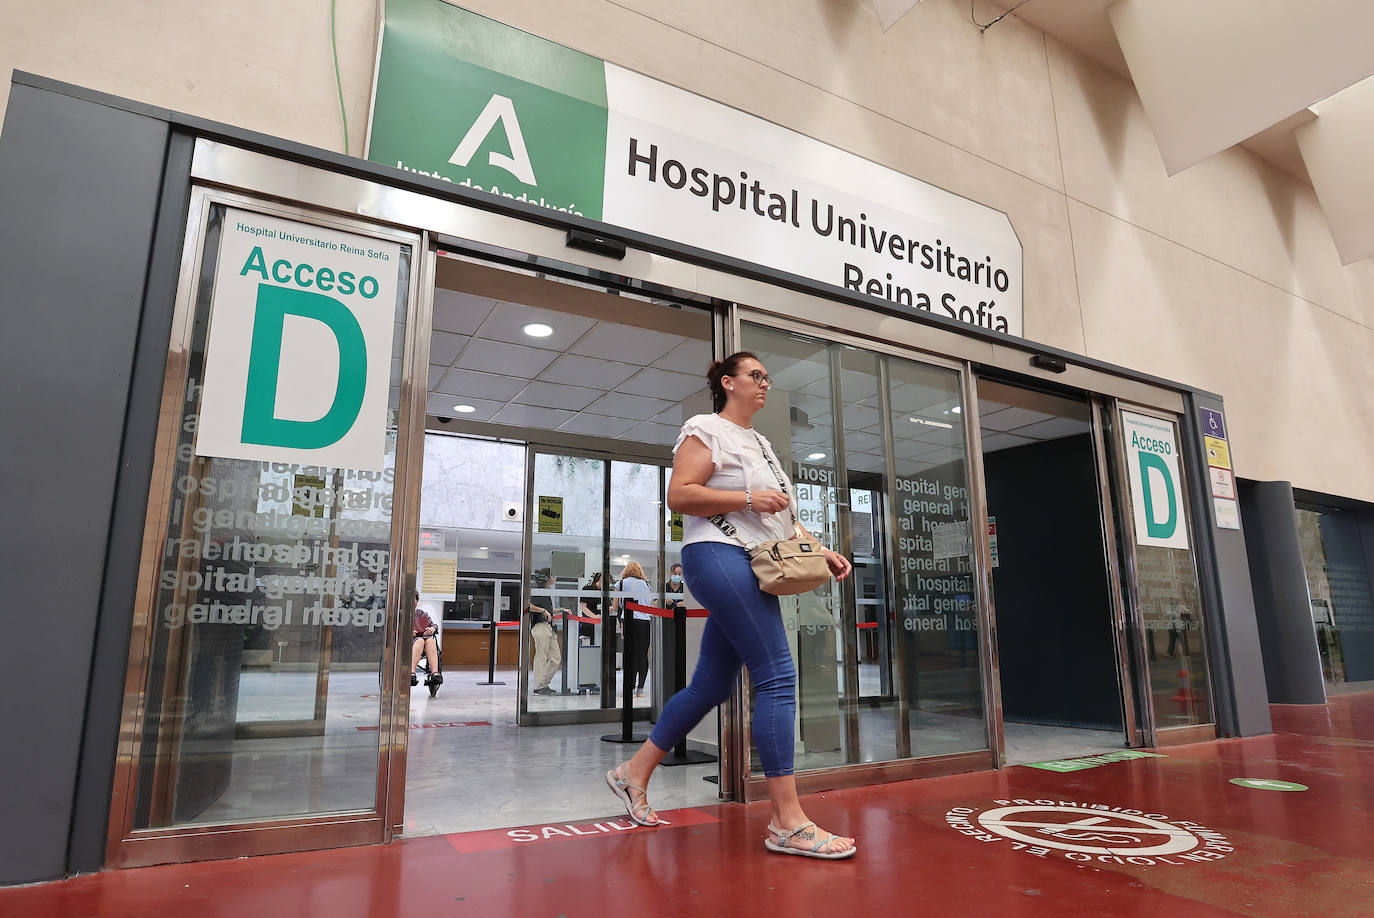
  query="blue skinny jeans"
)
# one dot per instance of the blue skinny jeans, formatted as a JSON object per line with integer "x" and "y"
{"x": 744, "y": 627}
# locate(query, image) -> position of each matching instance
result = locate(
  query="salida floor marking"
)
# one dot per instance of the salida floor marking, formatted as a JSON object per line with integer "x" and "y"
{"x": 497, "y": 839}
{"x": 1091, "y": 832}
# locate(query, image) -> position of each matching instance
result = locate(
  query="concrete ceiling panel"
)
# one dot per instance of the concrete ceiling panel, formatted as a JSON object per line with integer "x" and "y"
{"x": 1213, "y": 74}
{"x": 1338, "y": 148}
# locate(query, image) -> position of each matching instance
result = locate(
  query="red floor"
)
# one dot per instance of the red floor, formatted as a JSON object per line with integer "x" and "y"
{"x": 1212, "y": 848}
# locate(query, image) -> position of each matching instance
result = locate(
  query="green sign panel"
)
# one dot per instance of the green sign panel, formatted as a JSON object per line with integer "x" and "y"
{"x": 1268, "y": 784}
{"x": 449, "y": 86}
{"x": 1094, "y": 761}
{"x": 465, "y": 99}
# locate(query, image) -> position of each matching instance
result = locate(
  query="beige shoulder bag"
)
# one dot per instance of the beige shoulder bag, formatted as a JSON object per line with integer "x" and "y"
{"x": 784, "y": 567}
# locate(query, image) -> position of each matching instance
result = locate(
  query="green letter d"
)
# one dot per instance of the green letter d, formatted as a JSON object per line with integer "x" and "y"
{"x": 260, "y": 422}
{"x": 1154, "y": 529}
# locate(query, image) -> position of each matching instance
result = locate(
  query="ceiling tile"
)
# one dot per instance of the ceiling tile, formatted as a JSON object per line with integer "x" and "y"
{"x": 691, "y": 356}
{"x": 626, "y": 343}
{"x": 1011, "y": 418}
{"x": 1054, "y": 428}
{"x": 507, "y": 321}
{"x": 858, "y": 417}
{"x": 441, "y": 405}
{"x": 435, "y": 374}
{"x": 915, "y": 398}
{"x": 856, "y": 385}
{"x": 598, "y": 425}
{"x": 588, "y": 372}
{"x": 866, "y": 462}
{"x": 620, "y": 405}
{"x": 649, "y": 432}
{"x": 470, "y": 383}
{"x": 673, "y": 415}
{"x": 662, "y": 384}
{"x": 506, "y": 359}
{"x": 460, "y": 313}
{"x": 862, "y": 442}
{"x": 818, "y": 434}
{"x": 996, "y": 441}
{"x": 532, "y": 416}
{"x": 444, "y": 347}
{"x": 557, "y": 395}
{"x": 397, "y": 365}
{"x": 911, "y": 449}
{"x": 799, "y": 375}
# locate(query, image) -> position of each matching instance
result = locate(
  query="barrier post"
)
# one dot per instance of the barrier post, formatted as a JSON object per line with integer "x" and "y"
{"x": 627, "y": 713}
{"x": 491, "y": 653}
{"x": 681, "y": 755}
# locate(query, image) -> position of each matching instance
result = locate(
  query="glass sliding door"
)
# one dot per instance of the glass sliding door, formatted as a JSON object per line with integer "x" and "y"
{"x": 566, "y": 649}
{"x": 1157, "y": 537}
{"x": 1334, "y": 552}
{"x": 889, "y": 662}
{"x": 260, "y": 681}
{"x": 937, "y": 595}
{"x": 589, "y": 520}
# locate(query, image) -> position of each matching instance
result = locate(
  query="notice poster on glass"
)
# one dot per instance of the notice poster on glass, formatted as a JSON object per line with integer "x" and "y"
{"x": 438, "y": 575}
{"x": 1156, "y": 485}
{"x": 951, "y": 540}
{"x": 298, "y": 361}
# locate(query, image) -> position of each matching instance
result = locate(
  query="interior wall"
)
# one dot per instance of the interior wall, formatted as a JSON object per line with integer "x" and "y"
{"x": 1056, "y": 655}
{"x": 1224, "y": 276}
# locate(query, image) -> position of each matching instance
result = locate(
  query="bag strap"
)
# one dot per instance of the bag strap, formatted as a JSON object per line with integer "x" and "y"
{"x": 782, "y": 482}
{"x": 727, "y": 527}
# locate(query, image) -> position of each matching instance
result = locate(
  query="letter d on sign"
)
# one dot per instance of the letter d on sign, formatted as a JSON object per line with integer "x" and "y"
{"x": 1154, "y": 528}
{"x": 260, "y": 422}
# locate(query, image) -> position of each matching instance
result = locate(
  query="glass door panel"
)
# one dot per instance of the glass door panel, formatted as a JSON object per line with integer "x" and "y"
{"x": 1333, "y": 554}
{"x": 636, "y": 530}
{"x": 799, "y": 421}
{"x": 938, "y": 654}
{"x": 268, "y": 601}
{"x": 1168, "y": 599}
{"x": 889, "y": 665}
{"x": 562, "y": 662}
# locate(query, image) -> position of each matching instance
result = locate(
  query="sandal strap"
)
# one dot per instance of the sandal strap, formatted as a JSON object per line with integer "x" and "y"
{"x": 821, "y": 844}
{"x": 642, "y": 809}
{"x": 785, "y": 836}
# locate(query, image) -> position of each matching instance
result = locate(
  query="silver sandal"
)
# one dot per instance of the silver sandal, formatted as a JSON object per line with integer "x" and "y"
{"x": 640, "y": 813}
{"x": 784, "y": 844}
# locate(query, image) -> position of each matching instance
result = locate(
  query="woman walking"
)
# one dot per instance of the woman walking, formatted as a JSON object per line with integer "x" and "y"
{"x": 637, "y": 589}
{"x": 725, "y": 471}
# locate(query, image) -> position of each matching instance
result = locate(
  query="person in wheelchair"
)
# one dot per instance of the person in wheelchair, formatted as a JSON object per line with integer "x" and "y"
{"x": 426, "y": 644}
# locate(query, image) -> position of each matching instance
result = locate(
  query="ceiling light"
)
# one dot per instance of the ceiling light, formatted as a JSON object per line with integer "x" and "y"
{"x": 481, "y": 548}
{"x": 955, "y": 410}
{"x": 464, "y": 409}
{"x": 929, "y": 423}
{"x": 816, "y": 456}
{"x": 537, "y": 330}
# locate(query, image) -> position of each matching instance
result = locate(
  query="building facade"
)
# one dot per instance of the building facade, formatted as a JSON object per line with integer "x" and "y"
{"x": 1205, "y": 315}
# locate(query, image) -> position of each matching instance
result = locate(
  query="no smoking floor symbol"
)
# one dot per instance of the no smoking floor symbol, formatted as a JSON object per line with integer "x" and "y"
{"x": 1091, "y": 832}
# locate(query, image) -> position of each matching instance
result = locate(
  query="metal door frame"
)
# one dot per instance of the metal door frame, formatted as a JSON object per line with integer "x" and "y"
{"x": 751, "y": 787}
{"x": 127, "y": 846}
{"x": 524, "y": 716}
{"x": 1151, "y": 735}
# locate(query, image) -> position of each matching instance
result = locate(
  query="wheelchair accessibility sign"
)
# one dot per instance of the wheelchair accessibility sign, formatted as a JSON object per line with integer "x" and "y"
{"x": 1095, "y": 832}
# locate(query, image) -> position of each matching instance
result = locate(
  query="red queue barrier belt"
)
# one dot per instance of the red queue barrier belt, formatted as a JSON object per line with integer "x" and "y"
{"x": 663, "y": 613}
